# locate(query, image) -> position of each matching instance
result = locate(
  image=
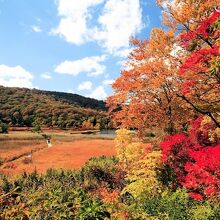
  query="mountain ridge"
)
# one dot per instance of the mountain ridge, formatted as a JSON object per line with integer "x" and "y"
{"x": 26, "y": 107}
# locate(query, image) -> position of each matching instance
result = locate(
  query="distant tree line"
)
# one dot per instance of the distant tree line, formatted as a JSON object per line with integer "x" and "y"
{"x": 26, "y": 107}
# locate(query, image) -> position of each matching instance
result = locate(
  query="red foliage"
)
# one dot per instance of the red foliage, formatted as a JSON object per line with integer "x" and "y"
{"x": 186, "y": 86}
{"x": 195, "y": 62}
{"x": 203, "y": 47}
{"x": 195, "y": 160}
{"x": 204, "y": 30}
{"x": 203, "y": 172}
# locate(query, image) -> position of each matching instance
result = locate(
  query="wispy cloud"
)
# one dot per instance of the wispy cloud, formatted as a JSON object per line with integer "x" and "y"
{"x": 36, "y": 29}
{"x": 70, "y": 91}
{"x": 86, "y": 85}
{"x": 119, "y": 20}
{"x": 90, "y": 65}
{"x": 46, "y": 76}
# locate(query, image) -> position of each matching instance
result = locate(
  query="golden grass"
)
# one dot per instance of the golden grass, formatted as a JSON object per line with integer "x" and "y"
{"x": 67, "y": 155}
{"x": 21, "y": 135}
{"x": 15, "y": 146}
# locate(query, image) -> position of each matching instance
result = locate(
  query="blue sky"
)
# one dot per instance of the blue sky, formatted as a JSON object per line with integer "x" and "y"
{"x": 70, "y": 45}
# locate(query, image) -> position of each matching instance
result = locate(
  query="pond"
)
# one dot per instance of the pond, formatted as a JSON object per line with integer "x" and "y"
{"x": 109, "y": 133}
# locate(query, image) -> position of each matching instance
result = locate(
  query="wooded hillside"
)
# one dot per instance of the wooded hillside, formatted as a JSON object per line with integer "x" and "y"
{"x": 28, "y": 107}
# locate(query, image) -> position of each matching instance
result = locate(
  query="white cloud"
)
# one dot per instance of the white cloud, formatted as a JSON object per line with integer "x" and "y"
{"x": 36, "y": 28}
{"x": 121, "y": 62}
{"x": 70, "y": 91}
{"x": 167, "y": 3}
{"x": 147, "y": 21}
{"x": 73, "y": 24}
{"x": 124, "y": 52}
{"x": 108, "y": 82}
{"x": 118, "y": 21}
{"x": 99, "y": 93}
{"x": 86, "y": 85}
{"x": 46, "y": 76}
{"x": 91, "y": 65}
{"x": 15, "y": 77}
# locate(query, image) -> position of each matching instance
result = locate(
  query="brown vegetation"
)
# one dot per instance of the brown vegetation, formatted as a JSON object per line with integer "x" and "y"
{"x": 68, "y": 155}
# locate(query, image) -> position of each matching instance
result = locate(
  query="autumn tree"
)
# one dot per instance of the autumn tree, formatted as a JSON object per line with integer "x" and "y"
{"x": 182, "y": 15}
{"x": 146, "y": 90}
{"x": 198, "y": 23}
{"x": 201, "y": 69}
{"x": 173, "y": 76}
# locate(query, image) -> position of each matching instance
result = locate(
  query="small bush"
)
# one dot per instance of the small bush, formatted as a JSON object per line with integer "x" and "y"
{"x": 3, "y": 128}
{"x": 101, "y": 170}
{"x": 36, "y": 128}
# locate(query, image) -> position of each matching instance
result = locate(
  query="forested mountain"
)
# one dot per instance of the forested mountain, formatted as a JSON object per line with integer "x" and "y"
{"x": 79, "y": 100}
{"x": 28, "y": 107}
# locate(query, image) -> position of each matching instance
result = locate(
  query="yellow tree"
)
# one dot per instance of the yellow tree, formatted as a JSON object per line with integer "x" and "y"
{"x": 140, "y": 163}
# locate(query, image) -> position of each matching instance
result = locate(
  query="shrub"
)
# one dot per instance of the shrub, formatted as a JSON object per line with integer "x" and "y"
{"x": 128, "y": 149}
{"x": 142, "y": 179}
{"x": 3, "y": 127}
{"x": 6, "y": 185}
{"x": 195, "y": 159}
{"x": 101, "y": 170}
{"x": 36, "y": 128}
{"x": 202, "y": 212}
{"x": 50, "y": 196}
{"x": 165, "y": 205}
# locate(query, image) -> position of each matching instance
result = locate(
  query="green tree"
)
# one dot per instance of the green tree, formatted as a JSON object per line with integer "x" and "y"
{"x": 3, "y": 127}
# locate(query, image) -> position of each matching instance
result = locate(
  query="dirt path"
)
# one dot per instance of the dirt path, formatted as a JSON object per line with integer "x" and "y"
{"x": 67, "y": 155}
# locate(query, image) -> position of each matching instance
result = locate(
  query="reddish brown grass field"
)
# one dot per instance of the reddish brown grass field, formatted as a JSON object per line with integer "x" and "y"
{"x": 12, "y": 149}
{"x": 67, "y": 155}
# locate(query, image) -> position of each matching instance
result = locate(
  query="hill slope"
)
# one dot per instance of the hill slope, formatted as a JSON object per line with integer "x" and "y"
{"x": 79, "y": 100}
{"x": 28, "y": 107}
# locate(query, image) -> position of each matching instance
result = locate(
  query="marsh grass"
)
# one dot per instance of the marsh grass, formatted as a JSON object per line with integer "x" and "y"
{"x": 17, "y": 140}
{"x": 16, "y": 144}
{"x": 20, "y": 136}
{"x": 19, "y": 144}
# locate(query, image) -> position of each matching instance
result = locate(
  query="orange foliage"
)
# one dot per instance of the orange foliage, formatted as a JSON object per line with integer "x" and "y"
{"x": 146, "y": 89}
{"x": 109, "y": 197}
{"x": 185, "y": 12}
{"x": 148, "y": 92}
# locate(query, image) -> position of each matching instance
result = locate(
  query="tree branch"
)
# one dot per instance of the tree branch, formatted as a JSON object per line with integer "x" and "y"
{"x": 200, "y": 111}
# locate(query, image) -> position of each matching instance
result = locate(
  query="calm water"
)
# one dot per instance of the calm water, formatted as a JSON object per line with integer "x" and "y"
{"x": 107, "y": 133}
